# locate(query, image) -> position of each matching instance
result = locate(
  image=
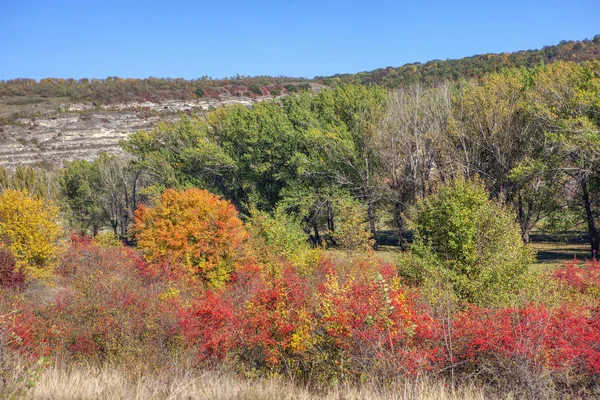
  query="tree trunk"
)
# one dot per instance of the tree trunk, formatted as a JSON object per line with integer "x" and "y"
{"x": 371, "y": 215}
{"x": 399, "y": 223}
{"x": 593, "y": 231}
{"x": 317, "y": 239}
{"x": 330, "y": 223}
{"x": 114, "y": 225}
{"x": 524, "y": 219}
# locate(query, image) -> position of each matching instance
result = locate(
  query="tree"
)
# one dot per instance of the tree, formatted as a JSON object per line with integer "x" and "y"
{"x": 352, "y": 231}
{"x": 409, "y": 143}
{"x": 564, "y": 102}
{"x": 279, "y": 234}
{"x": 464, "y": 239}
{"x": 104, "y": 192}
{"x": 344, "y": 141}
{"x": 37, "y": 181}
{"x": 192, "y": 231}
{"x": 29, "y": 229}
{"x": 79, "y": 189}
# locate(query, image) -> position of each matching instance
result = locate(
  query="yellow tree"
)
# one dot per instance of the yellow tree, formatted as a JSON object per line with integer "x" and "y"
{"x": 30, "y": 230}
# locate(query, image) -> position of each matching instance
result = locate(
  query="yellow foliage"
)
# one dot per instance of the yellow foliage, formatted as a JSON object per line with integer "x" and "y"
{"x": 107, "y": 240}
{"x": 170, "y": 293}
{"x": 29, "y": 229}
{"x": 352, "y": 232}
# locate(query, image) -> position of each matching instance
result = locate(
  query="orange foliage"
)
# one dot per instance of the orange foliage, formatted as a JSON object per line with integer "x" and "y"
{"x": 193, "y": 231}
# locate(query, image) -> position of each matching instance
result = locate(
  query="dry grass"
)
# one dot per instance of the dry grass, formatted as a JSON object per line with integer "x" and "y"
{"x": 93, "y": 383}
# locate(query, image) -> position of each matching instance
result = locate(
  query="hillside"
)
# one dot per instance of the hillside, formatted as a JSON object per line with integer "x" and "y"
{"x": 469, "y": 67}
{"x": 55, "y": 120}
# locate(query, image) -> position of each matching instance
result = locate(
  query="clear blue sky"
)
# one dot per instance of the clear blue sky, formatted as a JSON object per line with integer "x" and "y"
{"x": 96, "y": 39}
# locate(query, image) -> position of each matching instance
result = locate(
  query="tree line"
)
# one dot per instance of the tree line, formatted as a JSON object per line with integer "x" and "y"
{"x": 530, "y": 135}
{"x": 470, "y": 67}
{"x": 115, "y": 89}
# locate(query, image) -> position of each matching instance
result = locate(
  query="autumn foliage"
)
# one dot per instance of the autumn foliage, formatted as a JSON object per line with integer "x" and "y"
{"x": 193, "y": 232}
{"x": 29, "y": 229}
{"x": 342, "y": 321}
{"x": 193, "y": 292}
{"x": 103, "y": 309}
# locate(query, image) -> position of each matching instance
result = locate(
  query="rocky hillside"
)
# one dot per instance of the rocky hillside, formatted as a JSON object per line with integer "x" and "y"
{"x": 82, "y": 130}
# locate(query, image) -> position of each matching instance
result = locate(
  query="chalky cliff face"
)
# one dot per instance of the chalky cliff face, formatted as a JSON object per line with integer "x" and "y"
{"x": 81, "y": 131}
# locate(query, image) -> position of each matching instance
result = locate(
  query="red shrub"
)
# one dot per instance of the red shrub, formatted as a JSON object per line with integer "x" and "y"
{"x": 375, "y": 319}
{"x": 562, "y": 340}
{"x": 578, "y": 277}
{"x": 317, "y": 322}
{"x": 105, "y": 308}
{"x": 10, "y": 277}
{"x": 210, "y": 325}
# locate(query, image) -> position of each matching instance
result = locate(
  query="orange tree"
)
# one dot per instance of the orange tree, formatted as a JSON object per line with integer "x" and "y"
{"x": 192, "y": 232}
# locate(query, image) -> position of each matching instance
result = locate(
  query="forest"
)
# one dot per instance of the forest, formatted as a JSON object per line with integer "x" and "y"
{"x": 354, "y": 238}
{"x": 471, "y": 67}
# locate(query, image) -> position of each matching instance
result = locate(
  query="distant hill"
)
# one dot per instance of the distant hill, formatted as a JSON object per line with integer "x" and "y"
{"x": 112, "y": 90}
{"x": 18, "y": 96}
{"x": 469, "y": 67}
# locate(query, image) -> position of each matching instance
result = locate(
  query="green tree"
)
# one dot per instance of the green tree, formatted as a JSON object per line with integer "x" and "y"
{"x": 469, "y": 242}
{"x": 564, "y": 102}
{"x": 79, "y": 181}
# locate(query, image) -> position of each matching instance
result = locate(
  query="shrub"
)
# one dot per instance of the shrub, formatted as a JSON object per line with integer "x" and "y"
{"x": 291, "y": 88}
{"x": 254, "y": 88}
{"x": 193, "y": 231}
{"x": 580, "y": 277}
{"x": 102, "y": 310}
{"x": 10, "y": 276}
{"x": 280, "y": 235}
{"x": 352, "y": 228}
{"x": 30, "y": 227}
{"x": 534, "y": 349}
{"x": 465, "y": 240}
{"x": 304, "y": 87}
{"x": 372, "y": 327}
{"x": 330, "y": 325}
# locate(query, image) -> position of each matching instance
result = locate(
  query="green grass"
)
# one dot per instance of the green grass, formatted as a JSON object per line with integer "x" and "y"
{"x": 552, "y": 250}
{"x": 551, "y": 253}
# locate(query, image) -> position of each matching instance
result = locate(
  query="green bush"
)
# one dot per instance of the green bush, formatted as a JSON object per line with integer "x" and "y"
{"x": 254, "y": 88}
{"x": 352, "y": 227}
{"x": 470, "y": 244}
{"x": 305, "y": 87}
{"x": 280, "y": 234}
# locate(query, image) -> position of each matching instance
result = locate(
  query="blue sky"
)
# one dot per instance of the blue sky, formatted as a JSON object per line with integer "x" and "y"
{"x": 96, "y": 39}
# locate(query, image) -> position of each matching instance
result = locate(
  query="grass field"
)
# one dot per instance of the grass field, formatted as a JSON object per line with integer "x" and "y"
{"x": 107, "y": 383}
{"x": 552, "y": 250}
